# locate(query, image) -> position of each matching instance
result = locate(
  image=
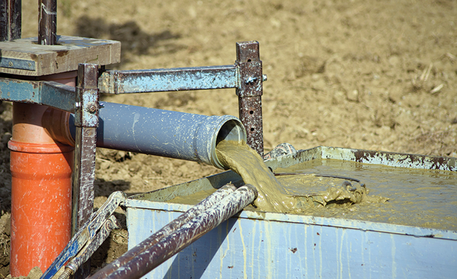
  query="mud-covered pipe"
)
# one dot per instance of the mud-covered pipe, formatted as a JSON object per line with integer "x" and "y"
{"x": 186, "y": 235}
{"x": 154, "y": 131}
{"x": 167, "y": 230}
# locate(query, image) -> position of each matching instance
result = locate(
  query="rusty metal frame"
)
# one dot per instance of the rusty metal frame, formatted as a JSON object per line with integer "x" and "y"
{"x": 245, "y": 75}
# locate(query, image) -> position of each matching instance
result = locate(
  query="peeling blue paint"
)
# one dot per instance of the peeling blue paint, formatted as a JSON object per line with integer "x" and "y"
{"x": 48, "y": 93}
{"x": 177, "y": 79}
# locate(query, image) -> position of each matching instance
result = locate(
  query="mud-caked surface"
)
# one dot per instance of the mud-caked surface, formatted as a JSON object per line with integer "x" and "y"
{"x": 379, "y": 75}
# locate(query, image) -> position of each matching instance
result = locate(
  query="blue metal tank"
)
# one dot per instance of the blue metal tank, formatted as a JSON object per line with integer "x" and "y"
{"x": 274, "y": 245}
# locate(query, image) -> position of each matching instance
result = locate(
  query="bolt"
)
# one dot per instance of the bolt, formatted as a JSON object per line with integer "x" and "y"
{"x": 264, "y": 77}
{"x": 250, "y": 80}
{"x": 77, "y": 105}
{"x": 92, "y": 108}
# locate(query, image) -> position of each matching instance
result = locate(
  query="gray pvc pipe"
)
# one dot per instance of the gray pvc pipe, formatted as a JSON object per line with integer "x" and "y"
{"x": 164, "y": 133}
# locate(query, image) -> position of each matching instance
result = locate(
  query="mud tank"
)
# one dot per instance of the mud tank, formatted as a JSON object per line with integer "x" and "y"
{"x": 412, "y": 235}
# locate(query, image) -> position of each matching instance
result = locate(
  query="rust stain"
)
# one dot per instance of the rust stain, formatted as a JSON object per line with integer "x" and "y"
{"x": 438, "y": 162}
{"x": 61, "y": 53}
{"x": 360, "y": 155}
{"x": 434, "y": 162}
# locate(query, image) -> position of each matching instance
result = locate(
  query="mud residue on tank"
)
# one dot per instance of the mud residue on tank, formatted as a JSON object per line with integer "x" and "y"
{"x": 416, "y": 197}
{"x": 315, "y": 191}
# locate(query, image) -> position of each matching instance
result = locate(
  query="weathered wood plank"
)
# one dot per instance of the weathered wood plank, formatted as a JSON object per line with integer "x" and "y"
{"x": 51, "y": 59}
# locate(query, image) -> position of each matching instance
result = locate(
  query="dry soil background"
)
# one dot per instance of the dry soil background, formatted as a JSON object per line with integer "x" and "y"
{"x": 378, "y": 75}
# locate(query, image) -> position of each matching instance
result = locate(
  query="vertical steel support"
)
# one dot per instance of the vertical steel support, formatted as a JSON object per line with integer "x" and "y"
{"x": 86, "y": 122}
{"x": 47, "y": 22}
{"x": 10, "y": 20}
{"x": 249, "y": 91}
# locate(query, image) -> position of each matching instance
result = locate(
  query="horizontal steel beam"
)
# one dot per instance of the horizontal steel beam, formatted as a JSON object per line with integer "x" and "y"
{"x": 119, "y": 82}
{"x": 47, "y": 93}
{"x": 175, "y": 79}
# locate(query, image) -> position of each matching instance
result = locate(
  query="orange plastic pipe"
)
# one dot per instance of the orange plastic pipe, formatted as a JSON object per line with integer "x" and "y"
{"x": 41, "y": 188}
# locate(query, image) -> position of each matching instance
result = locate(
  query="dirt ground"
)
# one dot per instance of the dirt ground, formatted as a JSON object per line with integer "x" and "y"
{"x": 379, "y": 75}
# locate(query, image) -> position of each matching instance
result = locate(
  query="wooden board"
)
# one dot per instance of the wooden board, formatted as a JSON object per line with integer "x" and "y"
{"x": 27, "y": 58}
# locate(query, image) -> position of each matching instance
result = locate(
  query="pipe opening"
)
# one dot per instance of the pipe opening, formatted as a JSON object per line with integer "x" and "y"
{"x": 231, "y": 130}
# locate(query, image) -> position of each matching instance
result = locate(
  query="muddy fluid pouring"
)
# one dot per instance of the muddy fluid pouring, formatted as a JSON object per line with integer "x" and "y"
{"x": 243, "y": 160}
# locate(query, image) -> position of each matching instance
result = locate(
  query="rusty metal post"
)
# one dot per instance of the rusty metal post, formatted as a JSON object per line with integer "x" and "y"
{"x": 10, "y": 20}
{"x": 249, "y": 91}
{"x": 47, "y": 22}
{"x": 86, "y": 122}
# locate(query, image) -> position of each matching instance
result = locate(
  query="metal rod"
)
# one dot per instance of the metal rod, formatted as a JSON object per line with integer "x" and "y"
{"x": 186, "y": 235}
{"x": 10, "y": 20}
{"x": 166, "y": 230}
{"x": 47, "y": 22}
{"x": 250, "y": 92}
{"x": 91, "y": 247}
{"x": 4, "y": 20}
{"x": 86, "y": 234}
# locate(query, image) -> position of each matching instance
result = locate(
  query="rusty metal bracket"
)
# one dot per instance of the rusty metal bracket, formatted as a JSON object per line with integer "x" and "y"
{"x": 250, "y": 91}
{"x": 245, "y": 75}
